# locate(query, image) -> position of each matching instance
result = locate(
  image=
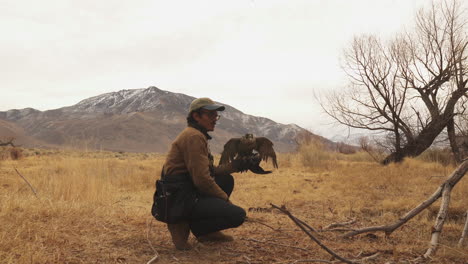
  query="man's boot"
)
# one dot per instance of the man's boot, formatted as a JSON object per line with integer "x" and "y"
{"x": 180, "y": 233}
{"x": 215, "y": 237}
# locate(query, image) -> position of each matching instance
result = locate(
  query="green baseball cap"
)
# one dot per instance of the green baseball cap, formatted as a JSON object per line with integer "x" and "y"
{"x": 205, "y": 103}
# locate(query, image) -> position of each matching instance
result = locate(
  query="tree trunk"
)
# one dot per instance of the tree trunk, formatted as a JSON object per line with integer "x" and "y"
{"x": 423, "y": 141}
{"x": 452, "y": 139}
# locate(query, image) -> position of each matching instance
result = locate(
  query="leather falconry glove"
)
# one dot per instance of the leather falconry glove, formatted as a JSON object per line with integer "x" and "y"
{"x": 251, "y": 162}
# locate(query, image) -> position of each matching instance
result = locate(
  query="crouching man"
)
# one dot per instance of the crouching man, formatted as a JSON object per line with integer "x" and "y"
{"x": 193, "y": 194}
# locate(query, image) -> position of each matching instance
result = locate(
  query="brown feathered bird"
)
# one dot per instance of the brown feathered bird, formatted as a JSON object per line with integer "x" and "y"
{"x": 245, "y": 147}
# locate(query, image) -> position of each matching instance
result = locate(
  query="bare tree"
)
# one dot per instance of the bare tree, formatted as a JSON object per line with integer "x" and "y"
{"x": 460, "y": 78}
{"x": 408, "y": 88}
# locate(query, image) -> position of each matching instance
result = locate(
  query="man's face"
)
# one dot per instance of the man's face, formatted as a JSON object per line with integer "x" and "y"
{"x": 207, "y": 119}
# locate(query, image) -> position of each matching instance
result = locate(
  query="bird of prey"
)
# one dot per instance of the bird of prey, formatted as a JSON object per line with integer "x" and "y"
{"x": 245, "y": 146}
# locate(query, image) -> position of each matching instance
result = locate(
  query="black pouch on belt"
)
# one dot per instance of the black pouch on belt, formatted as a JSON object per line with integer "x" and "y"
{"x": 174, "y": 198}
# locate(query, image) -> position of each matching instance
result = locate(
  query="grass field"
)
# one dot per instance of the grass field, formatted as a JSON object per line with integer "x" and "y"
{"x": 94, "y": 207}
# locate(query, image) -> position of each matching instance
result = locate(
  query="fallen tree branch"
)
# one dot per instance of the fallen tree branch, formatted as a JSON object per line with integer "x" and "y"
{"x": 451, "y": 248}
{"x": 156, "y": 254}
{"x": 334, "y": 225}
{"x": 301, "y": 226}
{"x": 337, "y": 230}
{"x": 439, "y": 224}
{"x": 305, "y": 224}
{"x": 452, "y": 180}
{"x": 312, "y": 261}
{"x": 153, "y": 260}
{"x": 388, "y": 229}
{"x": 302, "y": 222}
{"x": 252, "y": 220}
{"x": 371, "y": 257}
{"x": 464, "y": 232}
{"x": 247, "y": 259}
{"x": 30, "y": 186}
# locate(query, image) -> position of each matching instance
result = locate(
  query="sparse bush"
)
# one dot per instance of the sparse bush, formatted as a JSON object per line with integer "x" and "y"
{"x": 3, "y": 153}
{"x": 360, "y": 156}
{"x": 344, "y": 148}
{"x": 443, "y": 156}
{"x": 377, "y": 153}
{"x": 287, "y": 160}
{"x": 314, "y": 154}
{"x": 16, "y": 153}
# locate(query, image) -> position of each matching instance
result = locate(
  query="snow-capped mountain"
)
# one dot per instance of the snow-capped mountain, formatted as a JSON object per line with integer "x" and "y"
{"x": 144, "y": 120}
{"x": 134, "y": 100}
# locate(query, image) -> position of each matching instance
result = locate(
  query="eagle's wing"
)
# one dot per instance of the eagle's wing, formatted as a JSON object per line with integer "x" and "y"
{"x": 231, "y": 148}
{"x": 265, "y": 148}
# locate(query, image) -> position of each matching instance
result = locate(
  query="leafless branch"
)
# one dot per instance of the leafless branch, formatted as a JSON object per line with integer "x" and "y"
{"x": 30, "y": 186}
{"x": 337, "y": 230}
{"x": 252, "y": 220}
{"x": 156, "y": 254}
{"x": 312, "y": 261}
{"x": 464, "y": 232}
{"x": 334, "y": 225}
{"x": 301, "y": 226}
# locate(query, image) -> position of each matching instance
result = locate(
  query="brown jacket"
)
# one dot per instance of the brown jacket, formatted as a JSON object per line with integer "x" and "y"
{"x": 189, "y": 153}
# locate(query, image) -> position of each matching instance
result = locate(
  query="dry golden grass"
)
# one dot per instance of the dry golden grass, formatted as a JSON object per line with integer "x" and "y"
{"x": 94, "y": 207}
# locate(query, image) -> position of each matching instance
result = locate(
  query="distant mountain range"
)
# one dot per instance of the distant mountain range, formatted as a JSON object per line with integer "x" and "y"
{"x": 136, "y": 120}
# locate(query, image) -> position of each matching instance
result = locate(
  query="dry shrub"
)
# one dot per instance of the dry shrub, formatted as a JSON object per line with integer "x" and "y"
{"x": 287, "y": 160}
{"x": 89, "y": 179}
{"x": 4, "y": 153}
{"x": 359, "y": 156}
{"x": 344, "y": 148}
{"x": 314, "y": 154}
{"x": 377, "y": 153}
{"x": 443, "y": 156}
{"x": 16, "y": 153}
{"x": 456, "y": 214}
{"x": 12, "y": 153}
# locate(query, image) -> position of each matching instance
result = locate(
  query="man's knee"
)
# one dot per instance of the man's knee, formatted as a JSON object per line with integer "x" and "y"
{"x": 238, "y": 216}
{"x": 226, "y": 182}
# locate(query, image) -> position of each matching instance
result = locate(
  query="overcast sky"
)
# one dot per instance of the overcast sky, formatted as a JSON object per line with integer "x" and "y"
{"x": 264, "y": 58}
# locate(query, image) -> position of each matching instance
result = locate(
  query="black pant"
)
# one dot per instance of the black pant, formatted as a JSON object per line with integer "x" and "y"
{"x": 212, "y": 214}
